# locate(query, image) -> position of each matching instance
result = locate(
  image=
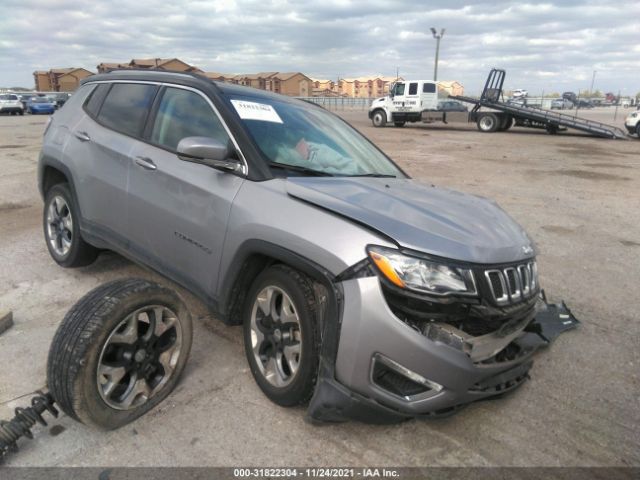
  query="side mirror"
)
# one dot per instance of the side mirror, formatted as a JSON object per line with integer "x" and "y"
{"x": 208, "y": 151}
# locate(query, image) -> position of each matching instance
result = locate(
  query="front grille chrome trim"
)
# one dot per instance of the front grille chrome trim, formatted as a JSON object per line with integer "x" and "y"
{"x": 517, "y": 282}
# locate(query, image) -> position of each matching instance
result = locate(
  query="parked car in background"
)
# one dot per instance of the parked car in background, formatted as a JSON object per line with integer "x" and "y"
{"x": 60, "y": 99}
{"x": 584, "y": 104}
{"x": 41, "y": 105}
{"x": 10, "y": 103}
{"x": 571, "y": 96}
{"x": 451, "y": 106}
{"x": 24, "y": 99}
{"x": 519, "y": 93}
{"x": 632, "y": 123}
{"x": 561, "y": 104}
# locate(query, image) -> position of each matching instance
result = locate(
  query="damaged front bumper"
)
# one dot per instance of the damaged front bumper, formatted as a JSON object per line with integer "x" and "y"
{"x": 385, "y": 370}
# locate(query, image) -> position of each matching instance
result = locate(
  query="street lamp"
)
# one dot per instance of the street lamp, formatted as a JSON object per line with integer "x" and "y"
{"x": 437, "y": 36}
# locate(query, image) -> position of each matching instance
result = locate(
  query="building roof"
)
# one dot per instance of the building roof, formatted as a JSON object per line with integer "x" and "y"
{"x": 287, "y": 75}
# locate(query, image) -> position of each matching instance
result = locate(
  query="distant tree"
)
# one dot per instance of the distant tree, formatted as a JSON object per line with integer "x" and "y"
{"x": 553, "y": 95}
{"x": 588, "y": 94}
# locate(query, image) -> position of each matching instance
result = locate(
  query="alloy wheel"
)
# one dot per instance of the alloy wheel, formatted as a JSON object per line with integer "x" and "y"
{"x": 139, "y": 357}
{"x": 59, "y": 226}
{"x": 276, "y": 338}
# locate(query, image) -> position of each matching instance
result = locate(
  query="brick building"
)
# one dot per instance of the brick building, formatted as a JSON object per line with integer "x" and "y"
{"x": 59, "y": 79}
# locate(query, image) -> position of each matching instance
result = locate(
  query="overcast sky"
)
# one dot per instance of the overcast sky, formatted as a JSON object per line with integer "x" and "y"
{"x": 550, "y": 46}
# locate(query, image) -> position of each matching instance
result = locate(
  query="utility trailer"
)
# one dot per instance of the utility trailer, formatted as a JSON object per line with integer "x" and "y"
{"x": 498, "y": 116}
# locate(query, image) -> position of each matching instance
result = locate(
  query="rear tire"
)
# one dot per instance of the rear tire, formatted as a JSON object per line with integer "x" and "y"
{"x": 507, "y": 122}
{"x": 21, "y": 112}
{"x": 281, "y": 335}
{"x": 61, "y": 224}
{"x": 638, "y": 130}
{"x": 488, "y": 122}
{"x": 133, "y": 326}
{"x": 379, "y": 118}
{"x": 552, "y": 129}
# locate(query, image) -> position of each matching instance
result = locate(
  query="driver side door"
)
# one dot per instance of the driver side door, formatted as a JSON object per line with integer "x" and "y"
{"x": 178, "y": 210}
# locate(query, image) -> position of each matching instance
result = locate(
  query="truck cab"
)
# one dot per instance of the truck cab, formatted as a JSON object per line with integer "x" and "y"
{"x": 405, "y": 102}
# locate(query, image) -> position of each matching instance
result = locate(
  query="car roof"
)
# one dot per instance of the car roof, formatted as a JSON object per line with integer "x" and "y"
{"x": 187, "y": 79}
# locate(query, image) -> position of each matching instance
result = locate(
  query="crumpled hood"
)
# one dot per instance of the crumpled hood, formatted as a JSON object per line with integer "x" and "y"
{"x": 429, "y": 219}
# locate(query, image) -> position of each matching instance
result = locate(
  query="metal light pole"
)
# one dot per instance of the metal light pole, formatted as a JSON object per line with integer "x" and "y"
{"x": 593, "y": 79}
{"x": 437, "y": 36}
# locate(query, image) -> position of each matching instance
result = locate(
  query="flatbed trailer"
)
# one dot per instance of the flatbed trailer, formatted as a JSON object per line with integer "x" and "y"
{"x": 501, "y": 115}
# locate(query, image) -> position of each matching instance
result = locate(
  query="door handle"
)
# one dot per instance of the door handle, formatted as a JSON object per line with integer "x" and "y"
{"x": 82, "y": 136}
{"x": 146, "y": 163}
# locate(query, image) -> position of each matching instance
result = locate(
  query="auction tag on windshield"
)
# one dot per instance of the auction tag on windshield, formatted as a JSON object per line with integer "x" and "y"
{"x": 256, "y": 111}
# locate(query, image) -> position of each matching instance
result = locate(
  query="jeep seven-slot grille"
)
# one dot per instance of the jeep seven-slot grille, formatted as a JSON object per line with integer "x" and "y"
{"x": 512, "y": 284}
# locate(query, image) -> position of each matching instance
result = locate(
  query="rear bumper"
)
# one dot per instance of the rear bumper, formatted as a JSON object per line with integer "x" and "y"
{"x": 10, "y": 109}
{"x": 371, "y": 333}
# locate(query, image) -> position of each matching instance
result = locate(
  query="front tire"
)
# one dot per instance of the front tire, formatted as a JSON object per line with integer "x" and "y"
{"x": 379, "y": 118}
{"x": 61, "y": 225}
{"x": 119, "y": 352}
{"x": 281, "y": 335}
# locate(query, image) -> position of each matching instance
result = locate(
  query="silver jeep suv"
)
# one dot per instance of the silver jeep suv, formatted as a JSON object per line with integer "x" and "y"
{"x": 363, "y": 292}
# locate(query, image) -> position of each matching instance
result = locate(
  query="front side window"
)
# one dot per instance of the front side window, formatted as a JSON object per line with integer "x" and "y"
{"x": 182, "y": 114}
{"x": 126, "y": 106}
{"x": 413, "y": 89}
{"x": 299, "y": 135}
{"x": 398, "y": 89}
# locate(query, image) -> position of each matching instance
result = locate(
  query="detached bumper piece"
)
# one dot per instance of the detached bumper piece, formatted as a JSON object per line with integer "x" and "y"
{"x": 334, "y": 402}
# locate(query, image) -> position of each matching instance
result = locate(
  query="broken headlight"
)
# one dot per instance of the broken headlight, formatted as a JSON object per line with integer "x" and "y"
{"x": 420, "y": 274}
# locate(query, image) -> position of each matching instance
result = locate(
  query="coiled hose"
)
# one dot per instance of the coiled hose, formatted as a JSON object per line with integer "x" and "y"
{"x": 23, "y": 422}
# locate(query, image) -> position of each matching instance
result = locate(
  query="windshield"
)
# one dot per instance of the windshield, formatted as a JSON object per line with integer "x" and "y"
{"x": 310, "y": 138}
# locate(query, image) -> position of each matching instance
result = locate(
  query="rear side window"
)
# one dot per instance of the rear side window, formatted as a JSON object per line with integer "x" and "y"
{"x": 126, "y": 106}
{"x": 429, "y": 88}
{"x": 413, "y": 89}
{"x": 183, "y": 114}
{"x": 8, "y": 97}
{"x": 94, "y": 102}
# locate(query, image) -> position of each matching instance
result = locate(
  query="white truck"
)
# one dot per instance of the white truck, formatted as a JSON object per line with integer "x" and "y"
{"x": 405, "y": 103}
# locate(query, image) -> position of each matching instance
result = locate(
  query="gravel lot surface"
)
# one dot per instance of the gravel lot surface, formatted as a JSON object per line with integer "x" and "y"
{"x": 578, "y": 197}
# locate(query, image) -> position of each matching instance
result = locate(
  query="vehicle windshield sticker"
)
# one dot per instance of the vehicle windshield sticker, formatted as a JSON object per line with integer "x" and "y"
{"x": 256, "y": 111}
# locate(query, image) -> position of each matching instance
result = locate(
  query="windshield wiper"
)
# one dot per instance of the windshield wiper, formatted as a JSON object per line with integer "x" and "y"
{"x": 298, "y": 168}
{"x": 376, "y": 175}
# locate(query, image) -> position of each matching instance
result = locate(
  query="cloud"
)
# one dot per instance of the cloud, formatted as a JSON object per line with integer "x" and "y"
{"x": 554, "y": 45}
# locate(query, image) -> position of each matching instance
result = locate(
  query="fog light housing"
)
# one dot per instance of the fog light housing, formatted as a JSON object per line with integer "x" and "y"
{"x": 399, "y": 381}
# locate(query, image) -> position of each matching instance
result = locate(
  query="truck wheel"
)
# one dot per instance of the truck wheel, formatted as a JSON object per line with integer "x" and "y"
{"x": 638, "y": 130}
{"x": 62, "y": 229}
{"x": 379, "y": 118}
{"x": 552, "y": 129}
{"x": 281, "y": 335}
{"x": 399, "y": 124}
{"x": 119, "y": 352}
{"x": 21, "y": 112}
{"x": 507, "y": 122}
{"x": 488, "y": 122}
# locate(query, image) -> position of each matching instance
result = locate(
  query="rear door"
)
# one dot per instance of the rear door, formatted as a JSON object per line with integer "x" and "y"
{"x": 107, "y": 136}
{"x": 429, "y": 96}
{"x": 178, "y": 210}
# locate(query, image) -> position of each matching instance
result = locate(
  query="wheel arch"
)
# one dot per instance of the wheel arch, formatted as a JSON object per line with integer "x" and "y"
{"x": 52, "y": 172}
{"x": 251, "y": 258}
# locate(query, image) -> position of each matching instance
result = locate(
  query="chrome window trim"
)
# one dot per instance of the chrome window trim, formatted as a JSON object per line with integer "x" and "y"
{"x": 505, "y": 295}
{"x": 245, "y": 164}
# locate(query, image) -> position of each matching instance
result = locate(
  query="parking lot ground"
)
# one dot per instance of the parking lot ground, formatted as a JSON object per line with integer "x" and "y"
{"x": 578, "y": 197}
